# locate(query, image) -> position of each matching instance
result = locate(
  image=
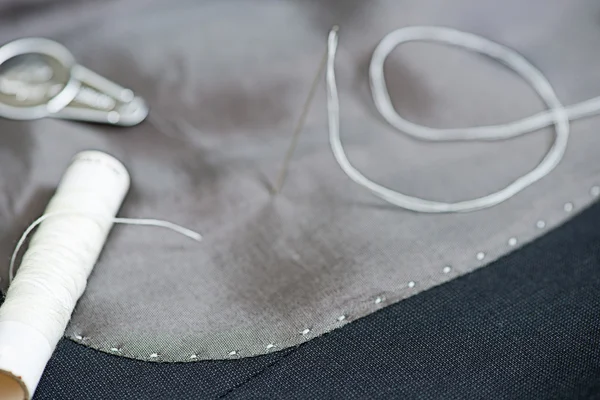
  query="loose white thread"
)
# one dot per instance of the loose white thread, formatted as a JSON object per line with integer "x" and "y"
{"x": 125, "y": 221}
{"x": 556, "y": 115}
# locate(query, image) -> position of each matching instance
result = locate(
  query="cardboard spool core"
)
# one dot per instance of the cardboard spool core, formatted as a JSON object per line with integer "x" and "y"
{"x": 11, "y": 388}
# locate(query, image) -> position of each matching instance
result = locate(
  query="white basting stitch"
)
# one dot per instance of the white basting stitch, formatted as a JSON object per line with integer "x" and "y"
{"x": 541, "y": 224}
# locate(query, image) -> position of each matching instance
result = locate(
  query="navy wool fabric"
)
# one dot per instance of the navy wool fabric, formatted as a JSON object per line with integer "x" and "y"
{"x": 525, "y": 327}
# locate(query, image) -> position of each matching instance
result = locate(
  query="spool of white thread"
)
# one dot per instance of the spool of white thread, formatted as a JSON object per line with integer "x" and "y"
{"x": 54, "y": 270}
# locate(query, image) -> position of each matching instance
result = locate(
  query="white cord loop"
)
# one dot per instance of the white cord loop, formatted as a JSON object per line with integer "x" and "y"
{"x": 556, "y": 115}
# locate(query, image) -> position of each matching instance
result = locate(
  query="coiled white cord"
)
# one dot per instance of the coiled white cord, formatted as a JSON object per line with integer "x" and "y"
{"x": 556, "y": 115}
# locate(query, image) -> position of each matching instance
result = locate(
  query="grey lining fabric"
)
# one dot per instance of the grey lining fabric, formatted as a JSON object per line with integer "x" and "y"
{"x": 226, "y": 81}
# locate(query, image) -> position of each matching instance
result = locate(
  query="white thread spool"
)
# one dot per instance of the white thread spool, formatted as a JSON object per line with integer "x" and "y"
{"x": 54, "y": 270}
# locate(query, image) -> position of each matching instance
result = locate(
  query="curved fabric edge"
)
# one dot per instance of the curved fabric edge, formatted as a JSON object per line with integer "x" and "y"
{"x": 525, "y": 327}
{"x": 182, "y": 349}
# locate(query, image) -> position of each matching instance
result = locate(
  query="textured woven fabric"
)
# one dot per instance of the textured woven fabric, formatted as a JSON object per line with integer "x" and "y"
{"x": 226, "y": 81}
{"x": 525, "y": 327}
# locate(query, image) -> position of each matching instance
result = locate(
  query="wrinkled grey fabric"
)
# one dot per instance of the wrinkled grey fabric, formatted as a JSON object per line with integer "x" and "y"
{"x": 226, "y": 81}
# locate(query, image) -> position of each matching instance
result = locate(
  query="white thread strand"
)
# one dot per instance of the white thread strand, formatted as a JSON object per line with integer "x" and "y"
{"x": 161, "y": 224}
{"x": 556, "y": 115}
{"x": 126, "y": 221}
